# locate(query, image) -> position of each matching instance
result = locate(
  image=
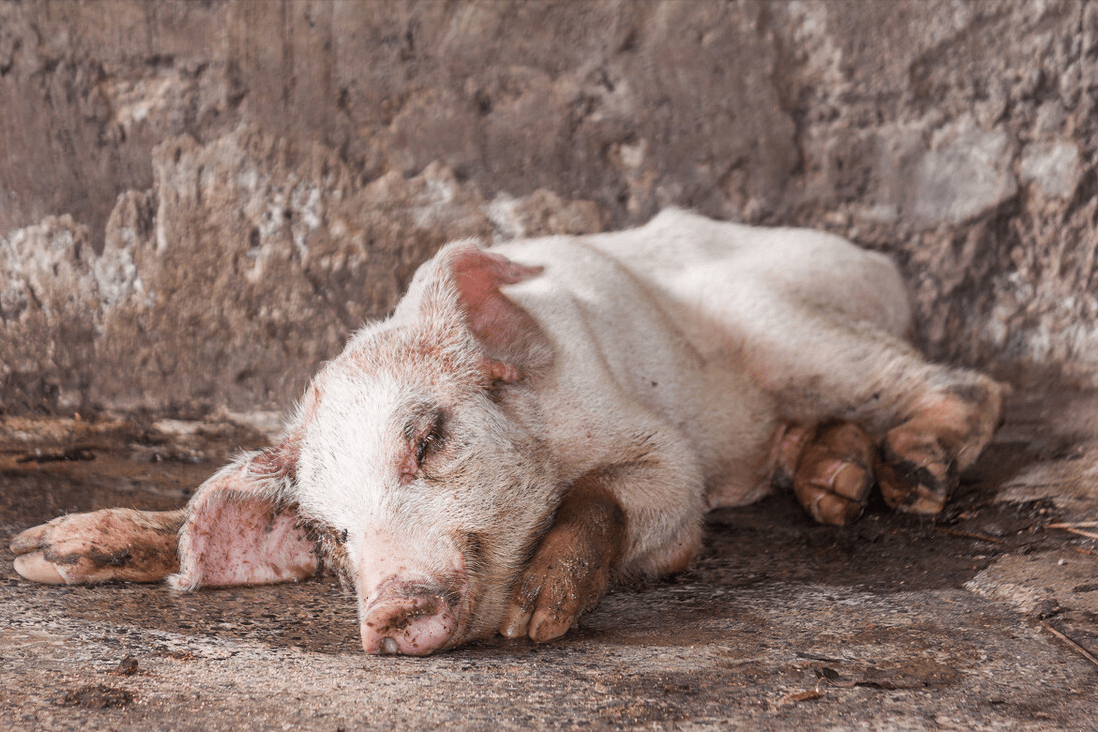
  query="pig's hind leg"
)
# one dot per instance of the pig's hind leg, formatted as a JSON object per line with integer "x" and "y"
{"x": 113, "y": 544}
{"x": 920, "y": 459}
{"x": 929, "y": 422}
{"x": 831, "y": 469}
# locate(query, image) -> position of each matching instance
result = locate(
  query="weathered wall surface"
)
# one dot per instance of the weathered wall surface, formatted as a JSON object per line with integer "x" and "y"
{"x": 200, "y": 200}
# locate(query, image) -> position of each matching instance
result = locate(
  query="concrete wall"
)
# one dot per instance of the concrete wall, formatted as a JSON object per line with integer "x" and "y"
{"x": 200, "y": 200}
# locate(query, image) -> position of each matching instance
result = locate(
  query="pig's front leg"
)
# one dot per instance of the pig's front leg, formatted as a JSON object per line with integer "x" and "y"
{"x": 571, "y": 569}
{"x": 237, "y": 530}
{"x": 114, "y": 544}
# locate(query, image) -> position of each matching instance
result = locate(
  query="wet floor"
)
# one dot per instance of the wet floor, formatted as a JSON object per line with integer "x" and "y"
{"x": 964, "y": 622}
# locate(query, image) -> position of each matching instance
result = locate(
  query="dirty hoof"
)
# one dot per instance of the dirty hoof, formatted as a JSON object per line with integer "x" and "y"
{"x": 570, "y": 571}
{"x": 835, "y": 474}
{"x": 101, "y": 546}
{"x": 564, "y": 580}
{"x": 915, "y": 472}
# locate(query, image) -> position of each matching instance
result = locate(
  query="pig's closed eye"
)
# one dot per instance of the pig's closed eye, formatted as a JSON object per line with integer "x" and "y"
{"x": 428, "y": 443}
{"x": 423, "y": 447}
{"x": 425, "y": 441}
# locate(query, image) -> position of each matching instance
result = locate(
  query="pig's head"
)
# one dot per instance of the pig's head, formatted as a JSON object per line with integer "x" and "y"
{"x": 412, "y": 454}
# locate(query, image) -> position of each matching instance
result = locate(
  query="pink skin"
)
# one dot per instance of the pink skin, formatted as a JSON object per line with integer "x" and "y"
{"x": 251, "y": 523}
{"x": 258, "y": 545}
{"x": 405, "y": 609}
{"x": 413, "y": 621}
{"x": 235, "y": 535}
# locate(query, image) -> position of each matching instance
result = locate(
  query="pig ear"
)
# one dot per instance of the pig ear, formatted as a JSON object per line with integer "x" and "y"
{"x": 514, "y": 342}
{"x": 242, "y": 527}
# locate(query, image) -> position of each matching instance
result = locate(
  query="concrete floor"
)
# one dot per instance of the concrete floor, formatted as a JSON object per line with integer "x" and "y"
{"x": 894, "y": 623}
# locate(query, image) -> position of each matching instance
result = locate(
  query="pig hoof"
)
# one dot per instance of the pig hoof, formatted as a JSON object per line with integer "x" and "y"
{"x": 102, "y": 546}
{"x": 543, "y": 613}
{"x": 916, "y": 474}
{"x": 517, "y": 622}
{"x": 37, "y": 568}
{"x": 570, "y": 570}
{"x": 389, "y": 647}
{"x": 551, "y": 596}
{"x": 834, "y": 476}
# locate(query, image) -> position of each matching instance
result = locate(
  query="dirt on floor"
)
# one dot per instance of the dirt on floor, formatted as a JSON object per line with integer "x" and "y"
{"x": 983, "y": 618}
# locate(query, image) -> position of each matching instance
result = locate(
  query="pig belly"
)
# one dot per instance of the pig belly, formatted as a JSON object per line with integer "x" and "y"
{"x": 734, "y": 428}
{"x": 734, "y": 494}
{"x": 748, "y": 479}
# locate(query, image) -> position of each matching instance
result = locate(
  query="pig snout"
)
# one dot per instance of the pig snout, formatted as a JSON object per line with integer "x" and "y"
{"x": 410, "y": 619}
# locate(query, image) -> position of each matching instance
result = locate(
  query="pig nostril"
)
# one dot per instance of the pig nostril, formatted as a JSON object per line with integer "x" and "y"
{"x": 407, "y": 621}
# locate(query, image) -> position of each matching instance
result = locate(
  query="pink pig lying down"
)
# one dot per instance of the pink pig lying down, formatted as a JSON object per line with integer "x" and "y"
{"x": 537, "y": 418}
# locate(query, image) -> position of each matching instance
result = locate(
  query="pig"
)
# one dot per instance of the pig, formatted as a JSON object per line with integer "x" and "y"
{"x": 540, "y": 418}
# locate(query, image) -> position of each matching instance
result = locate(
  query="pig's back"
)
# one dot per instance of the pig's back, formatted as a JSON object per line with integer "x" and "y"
{"x": 732, "y": 272}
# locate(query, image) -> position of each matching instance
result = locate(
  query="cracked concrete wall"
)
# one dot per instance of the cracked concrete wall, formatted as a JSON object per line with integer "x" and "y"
{"x": 199, "y": 201}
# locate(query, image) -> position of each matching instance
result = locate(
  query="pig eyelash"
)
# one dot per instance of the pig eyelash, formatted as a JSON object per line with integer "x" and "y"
{"x": 425, "y": 434}
{"x": 429, "y": 442}
{"x": 422, "y": 448}
{"x": 430, "y": 439}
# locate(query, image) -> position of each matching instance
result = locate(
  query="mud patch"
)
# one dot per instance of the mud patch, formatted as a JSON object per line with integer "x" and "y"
{"x": 96, "y": 697}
